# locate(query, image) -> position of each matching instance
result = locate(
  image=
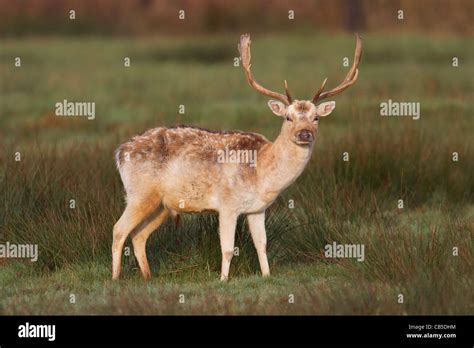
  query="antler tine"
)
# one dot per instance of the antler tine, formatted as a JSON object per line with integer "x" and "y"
{"x": 351, "y": 77}
{"x": 287, "y": 92}
{"x": 244, "y": 49}
{"x": 318, "y": 93}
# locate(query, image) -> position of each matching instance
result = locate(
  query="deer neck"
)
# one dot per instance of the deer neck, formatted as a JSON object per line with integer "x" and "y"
{"x": 281, "y": 163}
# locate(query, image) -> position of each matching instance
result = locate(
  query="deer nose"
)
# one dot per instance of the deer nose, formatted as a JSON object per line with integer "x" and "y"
{"x": 304, "y": 136}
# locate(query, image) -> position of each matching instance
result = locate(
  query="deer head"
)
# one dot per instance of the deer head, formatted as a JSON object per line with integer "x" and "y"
{"x": 301, "y": 116}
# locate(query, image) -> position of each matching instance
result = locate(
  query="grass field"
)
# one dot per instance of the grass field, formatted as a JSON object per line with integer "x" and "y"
{"x": 408, "y": 251}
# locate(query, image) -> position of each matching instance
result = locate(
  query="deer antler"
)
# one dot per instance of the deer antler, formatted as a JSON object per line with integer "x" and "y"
{"x": 350, "y": 79}
{"x": 244, "y": 49}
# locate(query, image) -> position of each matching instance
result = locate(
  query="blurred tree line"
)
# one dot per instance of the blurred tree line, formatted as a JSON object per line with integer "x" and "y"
{"x": 148, "y": 17}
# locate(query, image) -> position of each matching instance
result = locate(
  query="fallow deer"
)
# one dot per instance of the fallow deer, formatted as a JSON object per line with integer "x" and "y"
{"x": 169, "y": 171}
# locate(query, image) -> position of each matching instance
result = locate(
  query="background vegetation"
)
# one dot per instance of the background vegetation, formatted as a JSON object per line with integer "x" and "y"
{"x": 145, "y": 17}
{"x": 408, "y": 251}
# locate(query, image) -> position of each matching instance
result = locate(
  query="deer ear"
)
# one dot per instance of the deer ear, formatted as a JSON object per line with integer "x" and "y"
{"x": 277, "y": 107}
{"x": 325, "y": 109}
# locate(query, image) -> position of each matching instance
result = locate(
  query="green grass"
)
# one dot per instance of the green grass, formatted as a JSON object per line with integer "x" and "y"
{"x": 408, "y": 251}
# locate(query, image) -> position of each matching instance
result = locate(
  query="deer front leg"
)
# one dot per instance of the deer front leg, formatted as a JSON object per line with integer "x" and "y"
{"x": 259, "y": 236}
{"x": 227, "y": 224}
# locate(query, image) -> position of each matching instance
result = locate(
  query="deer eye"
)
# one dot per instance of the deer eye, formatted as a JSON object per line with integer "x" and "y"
{"x": 316, "y": 119}
{"x": 289, "y": 119}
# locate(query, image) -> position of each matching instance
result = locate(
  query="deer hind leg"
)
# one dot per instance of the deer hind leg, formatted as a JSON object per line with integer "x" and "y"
{"x": 132, "y": 219}
{"x": 140, "y": 237}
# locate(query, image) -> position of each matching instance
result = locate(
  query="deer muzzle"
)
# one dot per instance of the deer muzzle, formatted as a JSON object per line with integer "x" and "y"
{"x": 304, "y": 136}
